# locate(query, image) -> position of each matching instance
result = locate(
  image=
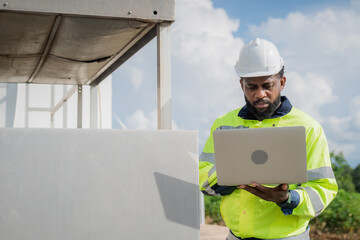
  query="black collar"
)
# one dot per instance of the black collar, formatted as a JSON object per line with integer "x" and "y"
{"x": 285, "y": 108}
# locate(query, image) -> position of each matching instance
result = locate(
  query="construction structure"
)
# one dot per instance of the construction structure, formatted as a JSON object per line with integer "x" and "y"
{"x": 91, "y": 183}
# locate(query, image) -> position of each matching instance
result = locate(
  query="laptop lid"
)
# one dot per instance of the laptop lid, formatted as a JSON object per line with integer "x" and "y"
{"x": 263, "y": 155}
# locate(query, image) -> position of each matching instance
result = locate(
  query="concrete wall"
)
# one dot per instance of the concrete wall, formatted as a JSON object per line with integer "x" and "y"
{"x": 98, "y": 184}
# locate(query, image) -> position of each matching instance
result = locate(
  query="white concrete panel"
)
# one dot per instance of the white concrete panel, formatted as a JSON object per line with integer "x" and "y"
{"x": 98, "y": 184}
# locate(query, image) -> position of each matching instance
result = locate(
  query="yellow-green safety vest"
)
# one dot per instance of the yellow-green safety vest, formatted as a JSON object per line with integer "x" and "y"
{"x": 250, "y": 216}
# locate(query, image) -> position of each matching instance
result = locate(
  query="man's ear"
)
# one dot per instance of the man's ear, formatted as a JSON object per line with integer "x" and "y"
{"x": 282, "y": 83}
{"x": 241, "y": 83}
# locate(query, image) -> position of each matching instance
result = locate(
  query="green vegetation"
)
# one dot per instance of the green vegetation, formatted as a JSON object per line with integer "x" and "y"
{"x": 212, "y": 208}
{"x": 341, "y": 216}
{"x": 343, "y": 213}
{"x": 343, "y": 172}
{"x": 356, "y": 178}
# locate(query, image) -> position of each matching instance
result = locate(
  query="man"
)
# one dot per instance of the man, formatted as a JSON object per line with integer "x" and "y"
{"x": 256, "y": 211}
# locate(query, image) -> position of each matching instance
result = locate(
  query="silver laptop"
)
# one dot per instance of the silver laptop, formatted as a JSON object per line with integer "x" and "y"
{"x": 263, "y": 155}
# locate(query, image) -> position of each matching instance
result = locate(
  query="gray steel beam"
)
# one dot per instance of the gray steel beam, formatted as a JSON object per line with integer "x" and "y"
{"x": 125, "y": 56}
{"x": 150, "y": 10}
{"x": 47, "y": 47}
{"x": 27, "y": 105}
{"x": 79, "y": 107}
{"x": 94, "y": 107}
{"x": 64, "y": 104}
{"x": 66, "y": 96}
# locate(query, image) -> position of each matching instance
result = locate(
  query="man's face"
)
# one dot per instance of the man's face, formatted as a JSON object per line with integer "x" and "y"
{"x": 262, "y": 94}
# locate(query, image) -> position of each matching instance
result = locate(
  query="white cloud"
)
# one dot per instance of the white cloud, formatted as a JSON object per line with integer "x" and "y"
{"x": 326, "y": 42}
{"x": 136, "y": 77}
{"x": 354, "y": 108}
{"x": 204, "y": 53}
{"x": 334, "y": 31}
{"x": 341, "y": 128}
{"x": 309, "y": 93}
{"x": 345, "y": 132}
{"x": 321, "y": 51}
{"x": 140, "y": 120}
{"x": 202, "y": 36}
{"x": 346, "y": 148}
{"x": 357, "y": 119}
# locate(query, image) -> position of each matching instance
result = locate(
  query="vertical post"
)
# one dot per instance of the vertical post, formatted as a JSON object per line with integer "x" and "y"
{"x": 93, "y": 107}
{"x": 27, "y": 105}
{"x": 3, "y": 104}
{"x": 79, "y": 107}
{"x": 52, "y": 100}
{"x": 65, "y": 106}
{"x": 202, "y": 208}
{"x": 163, "y": 76}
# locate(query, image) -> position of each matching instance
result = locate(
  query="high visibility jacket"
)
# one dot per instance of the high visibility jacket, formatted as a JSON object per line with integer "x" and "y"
{"x": 250, "y": 216}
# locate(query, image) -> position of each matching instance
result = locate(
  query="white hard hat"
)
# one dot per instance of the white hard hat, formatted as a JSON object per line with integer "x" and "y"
{"x": 259, "y": 58}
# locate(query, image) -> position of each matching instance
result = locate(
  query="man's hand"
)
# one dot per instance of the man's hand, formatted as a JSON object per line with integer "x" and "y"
{"x": 277, "y": 195}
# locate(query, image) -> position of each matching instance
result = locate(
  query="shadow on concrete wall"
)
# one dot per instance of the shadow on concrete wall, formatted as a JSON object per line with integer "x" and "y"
{"x": 180, "y": 200}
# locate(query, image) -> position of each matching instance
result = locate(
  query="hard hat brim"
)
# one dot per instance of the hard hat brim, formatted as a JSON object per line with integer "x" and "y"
{"x": 258, "y": 74}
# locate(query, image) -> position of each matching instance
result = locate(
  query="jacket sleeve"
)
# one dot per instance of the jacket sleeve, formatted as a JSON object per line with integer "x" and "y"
{"x": 309, "y": 199}
{"x": 207, "y": 171}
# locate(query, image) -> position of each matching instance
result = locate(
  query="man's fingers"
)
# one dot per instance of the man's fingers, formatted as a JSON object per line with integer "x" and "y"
{"x": 253, "y": 190}
{"x": 276, "y": 194}
{"x": 260, "y": 187}
{"x": 284, "y": 187}
{"x": 254, "y": 187}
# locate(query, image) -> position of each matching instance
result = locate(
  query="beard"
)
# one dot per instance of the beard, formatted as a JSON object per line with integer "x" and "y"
{"x": 268, "y": 112}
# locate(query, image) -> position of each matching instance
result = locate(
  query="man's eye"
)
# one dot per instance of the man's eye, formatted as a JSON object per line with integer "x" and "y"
{"x": 268, "y": 86}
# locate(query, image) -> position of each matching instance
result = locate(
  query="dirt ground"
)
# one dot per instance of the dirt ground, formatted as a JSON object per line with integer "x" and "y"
{"x": 318, "y": 235}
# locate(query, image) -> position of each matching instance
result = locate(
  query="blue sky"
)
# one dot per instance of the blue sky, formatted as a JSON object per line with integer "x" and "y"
{"x": 254, "y": 12}
{"x": 319, "y": 40}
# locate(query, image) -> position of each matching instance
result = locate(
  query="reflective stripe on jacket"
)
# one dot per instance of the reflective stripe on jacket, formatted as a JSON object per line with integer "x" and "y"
{"x": 250, "y": 216}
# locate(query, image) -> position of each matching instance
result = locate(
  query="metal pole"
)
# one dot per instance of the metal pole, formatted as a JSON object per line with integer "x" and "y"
{"x": 64, "y": 106}
{"x": 93, "y": 107}
{"x": 164, "y": 76}
{"x": 52, "y": 106}
{"x": 79, "y": 108}
{"x": 202, "y": 209}
{"x": 27, "y": 105}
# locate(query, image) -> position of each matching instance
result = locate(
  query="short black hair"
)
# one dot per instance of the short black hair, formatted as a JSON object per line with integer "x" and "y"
{"x": 281, "y": 73}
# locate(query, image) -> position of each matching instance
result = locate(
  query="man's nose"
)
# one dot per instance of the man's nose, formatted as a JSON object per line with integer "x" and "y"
{"x": 260, "y": 93}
